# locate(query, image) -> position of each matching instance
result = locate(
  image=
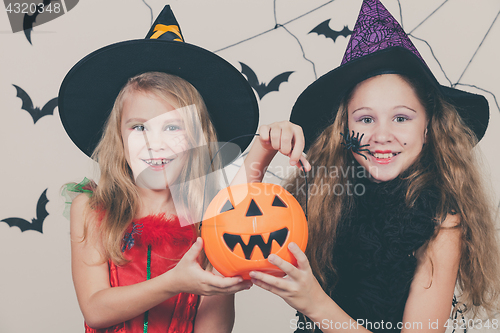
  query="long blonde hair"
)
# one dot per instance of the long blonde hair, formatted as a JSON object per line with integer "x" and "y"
{"x": 447, "y": 160}
{"x": 116, "y": 198}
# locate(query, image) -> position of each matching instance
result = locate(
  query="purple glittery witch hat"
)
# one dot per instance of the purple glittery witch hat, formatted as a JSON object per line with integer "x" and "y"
{"x": 378, "y": 45}
{"x": 376, "y": 30}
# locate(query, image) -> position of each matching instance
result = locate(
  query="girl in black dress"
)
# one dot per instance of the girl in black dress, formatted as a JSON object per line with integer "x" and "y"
{"x": 398, "y": 218}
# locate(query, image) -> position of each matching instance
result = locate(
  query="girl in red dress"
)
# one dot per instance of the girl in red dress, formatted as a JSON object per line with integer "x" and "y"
{"x": 135, "y": 252}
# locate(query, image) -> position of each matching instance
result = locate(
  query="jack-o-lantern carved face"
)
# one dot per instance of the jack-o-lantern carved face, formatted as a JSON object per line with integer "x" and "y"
{"x": 245, "y": 223}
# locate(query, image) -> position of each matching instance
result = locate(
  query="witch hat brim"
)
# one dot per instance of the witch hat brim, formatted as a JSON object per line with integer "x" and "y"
{"x": 378, "y": 45}
{"x": 317, "y": 106}
{"x": 88, "y": 91}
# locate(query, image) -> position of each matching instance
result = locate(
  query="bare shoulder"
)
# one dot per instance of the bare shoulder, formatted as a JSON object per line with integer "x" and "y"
{"x": 451, "y": 221}
{"x": 80, "y": 201}
{"x": 442, "y": 254}
{"x": 431, "y": 291}
{"x": 86, "y": 244}
{"x": 80, "y": 215}
{"x": 446, "y": 243}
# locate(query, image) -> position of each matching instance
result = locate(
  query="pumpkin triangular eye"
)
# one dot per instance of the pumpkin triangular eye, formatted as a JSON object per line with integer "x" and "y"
{"x": 278, "y": 202}
{"x": 227, "y": 206}
{"x": 253, "y": 210}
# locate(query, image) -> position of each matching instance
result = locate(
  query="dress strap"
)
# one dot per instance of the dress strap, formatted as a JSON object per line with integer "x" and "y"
{"x": 71, "y": 190}
{"x": 148, "y": 277}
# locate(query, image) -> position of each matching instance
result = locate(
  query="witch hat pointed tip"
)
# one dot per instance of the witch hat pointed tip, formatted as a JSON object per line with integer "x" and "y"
{"x": 166, "y": 27}
{"x": 376, "y": 29}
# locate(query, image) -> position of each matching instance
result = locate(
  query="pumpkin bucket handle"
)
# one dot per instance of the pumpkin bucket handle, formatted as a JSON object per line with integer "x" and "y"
{"x": 227, "y": 182}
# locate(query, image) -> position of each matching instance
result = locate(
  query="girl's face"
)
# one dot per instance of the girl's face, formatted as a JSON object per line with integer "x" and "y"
{"x": 387, "y": 111}
{"x": 154, "y": 139}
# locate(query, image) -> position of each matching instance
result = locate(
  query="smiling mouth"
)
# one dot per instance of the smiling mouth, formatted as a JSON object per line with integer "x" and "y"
{"x": 157, "y": 161}
{"x": 384, "y": 155}
{"x": 248, "y": 246}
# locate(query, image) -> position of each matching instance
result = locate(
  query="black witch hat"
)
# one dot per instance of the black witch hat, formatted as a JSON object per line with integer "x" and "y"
{"x": 90, "y": 88}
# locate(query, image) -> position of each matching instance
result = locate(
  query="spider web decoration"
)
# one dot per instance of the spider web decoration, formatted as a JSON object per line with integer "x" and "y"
{"x": 432, "y": 26}
{"x": 391, "y": 34}
{"x": 378, "y": 13}
{"x": 381, "y": 31}
{"x": 458, "y": 83}
{"x": 375, "y": 30}
{"x": 282, "y": 25}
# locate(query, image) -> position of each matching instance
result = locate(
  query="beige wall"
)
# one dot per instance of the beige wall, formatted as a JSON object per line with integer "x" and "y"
{"x": 36, "y": 292}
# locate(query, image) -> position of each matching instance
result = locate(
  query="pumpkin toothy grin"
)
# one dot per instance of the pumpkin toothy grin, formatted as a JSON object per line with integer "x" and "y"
{"x": 274, "y": 242}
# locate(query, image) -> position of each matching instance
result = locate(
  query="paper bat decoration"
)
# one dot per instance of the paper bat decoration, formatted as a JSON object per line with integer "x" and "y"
{"x": 324, "y": 29}
{"x": 36, "y": 113}
{"x": 36, "y": 223}
{"x": 30, "y": 19}
{"x": 261, "y": 88}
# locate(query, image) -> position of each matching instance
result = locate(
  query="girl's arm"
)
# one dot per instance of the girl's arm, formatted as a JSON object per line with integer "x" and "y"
{"x": 431, "y": 292}
{"x": 284, "y": 137}
{"x": 429, "y": 300}
{"x": 300, "y": 289}
{"x": 103, "y": 306}
{"x": 216, "y": 313}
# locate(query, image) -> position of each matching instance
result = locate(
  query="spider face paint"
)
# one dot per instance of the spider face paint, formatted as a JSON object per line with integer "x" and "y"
{"x": 354, "y": 143}
{"x": 387, "y": 111}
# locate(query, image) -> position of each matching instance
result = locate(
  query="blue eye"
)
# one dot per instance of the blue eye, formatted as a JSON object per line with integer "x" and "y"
{"x": 366, "y": 120}
{"x": 138, "y": 128}
{"x": 172, "y": 128}
{"x": 401, "y": 119}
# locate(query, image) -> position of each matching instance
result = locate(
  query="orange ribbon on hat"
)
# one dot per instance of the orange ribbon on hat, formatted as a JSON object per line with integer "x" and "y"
{"x": 160, "y": 29}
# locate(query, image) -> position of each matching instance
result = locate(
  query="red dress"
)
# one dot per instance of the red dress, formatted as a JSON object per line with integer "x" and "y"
{"x": 159, "y": 243}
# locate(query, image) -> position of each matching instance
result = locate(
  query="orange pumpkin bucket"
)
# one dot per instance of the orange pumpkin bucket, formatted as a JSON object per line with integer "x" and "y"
{"x": 245, "y": 223}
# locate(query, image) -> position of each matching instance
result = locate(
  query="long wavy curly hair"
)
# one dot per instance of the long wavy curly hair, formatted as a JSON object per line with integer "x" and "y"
{"x": 116, "y": 196}
{"x": 447, "y": 160}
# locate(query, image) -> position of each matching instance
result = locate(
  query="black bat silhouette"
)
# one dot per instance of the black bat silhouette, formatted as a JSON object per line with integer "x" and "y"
{"x": 36, "y": 223}
{"x": 36, "y": 113}
{"x": 324, "y": 29}
{"x": 30, "y": 19}
{"x": 261, "y": 88}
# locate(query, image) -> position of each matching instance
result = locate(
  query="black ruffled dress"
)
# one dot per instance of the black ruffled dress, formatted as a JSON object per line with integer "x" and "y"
{"x": 374, "y": 254}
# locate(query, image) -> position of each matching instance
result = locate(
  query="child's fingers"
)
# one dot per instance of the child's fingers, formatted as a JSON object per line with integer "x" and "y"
{"x": 239, "y": 287}
{"x": 267, "y": 287}
{"x": 221, "y": 285}
{"x": 302, "y": 261}
{"x": 285, "y": 266}
{"x": 298, "y": 143}
{"x": 275, "y": 137}
{"x": 269, "y": 282}
{"x": 209, "y": 290}
{"x": 195, "y": 250}
{"x": 307, "y": 166}
{"x": 264, "y": 133}
{"x": 296, "y": 153}
{"x": 286, "y": 140}
{"x": 244, "y": 285}
{"x": 220, "y": 282}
